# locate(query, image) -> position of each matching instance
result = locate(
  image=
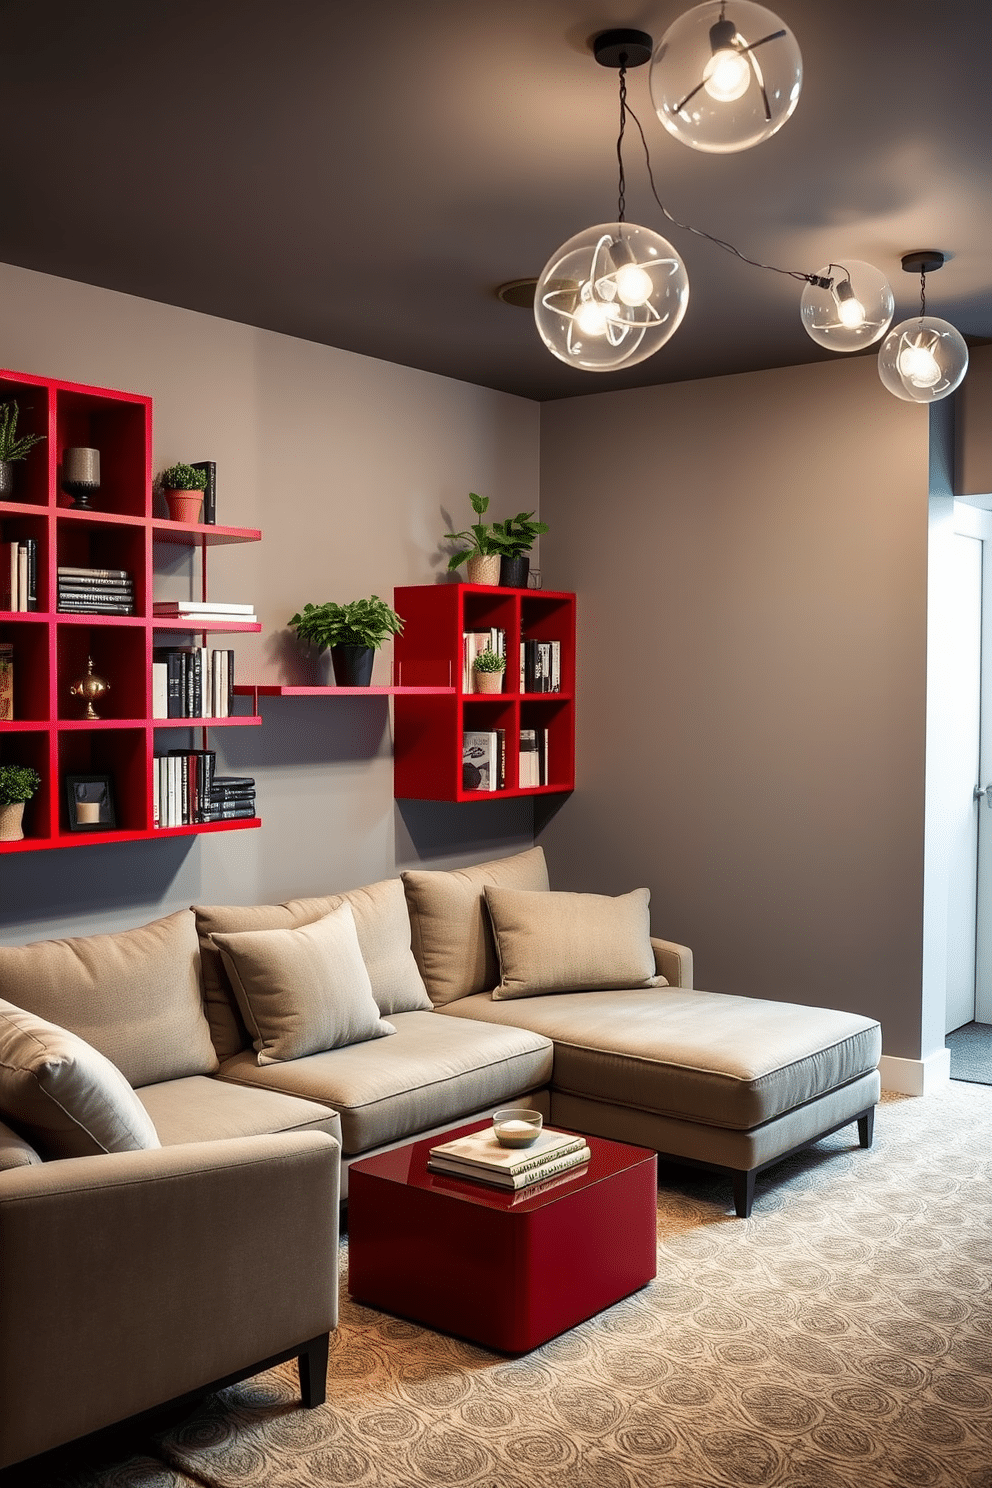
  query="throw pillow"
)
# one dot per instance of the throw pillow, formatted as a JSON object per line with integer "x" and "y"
{"x": 452, "y": 936}
{"x": 571, "y": 942}
{"x": 135, "y": 996}
{"x": 62, "y": 1094}
{"x": 302, "y": 991}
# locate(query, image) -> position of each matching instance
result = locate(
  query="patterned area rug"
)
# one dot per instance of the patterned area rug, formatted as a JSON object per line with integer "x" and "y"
{"x": 840, "y": 1338}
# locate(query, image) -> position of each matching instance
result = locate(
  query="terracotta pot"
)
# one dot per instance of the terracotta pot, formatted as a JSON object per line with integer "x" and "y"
{"x": 489, "y": 681}
{"x": 11, "y": 818}
{"x": 184, "y": 506}
{"x": 484, "y": 568}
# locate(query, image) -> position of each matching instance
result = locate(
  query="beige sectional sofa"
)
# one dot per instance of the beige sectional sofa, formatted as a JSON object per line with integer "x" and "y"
{"x": 198, "y": 1087}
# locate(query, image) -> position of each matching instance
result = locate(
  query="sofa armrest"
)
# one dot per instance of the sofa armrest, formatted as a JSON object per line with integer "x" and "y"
{"x": 673, "y": 961}
{"x": 129, "y": 1279}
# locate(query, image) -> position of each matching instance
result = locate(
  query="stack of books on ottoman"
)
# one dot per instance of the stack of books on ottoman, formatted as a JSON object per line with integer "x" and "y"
{"x": 480, "y": 1158}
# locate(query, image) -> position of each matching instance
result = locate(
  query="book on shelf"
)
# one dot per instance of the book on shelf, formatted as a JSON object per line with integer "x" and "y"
{"x": 71, "y": 572}
{"x": 182, "y": 780}
{"x": 540, "y": 666}
{"x": 209, "y": 468}
{"x": 533, "y": 758}
{"x": 244, "y": 811}
{"x": 80, "y": 605}
{"x": 19, "y": 575}
{"x": 198, "y": 682}
{"x": 6, "y": 682}
{"x": 234, "y": 782}
{"x": 551, "y": 1166}
{"x": 483, "y": 759}
{"x": 200, "y": 606}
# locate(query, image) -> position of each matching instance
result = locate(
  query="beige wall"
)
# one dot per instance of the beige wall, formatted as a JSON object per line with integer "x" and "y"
{"x": 352, "y": 468}
{"x": 751, "y": 556}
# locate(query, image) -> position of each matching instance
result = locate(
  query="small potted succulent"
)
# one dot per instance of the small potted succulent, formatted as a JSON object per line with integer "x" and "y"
{"x": 351, "y": 633}
{"x": 488, "y": 670}
{"x": 18, "y": 784}
{"x": 495, "y": 551}
{"x": 12, "y": 446}
{"x": 184, "y": 486}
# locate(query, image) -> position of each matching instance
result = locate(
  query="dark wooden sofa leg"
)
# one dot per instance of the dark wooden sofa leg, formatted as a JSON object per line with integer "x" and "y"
{"x": 744, "y": 1193}
{"x": 866, "y": 1127}
{"x": 312, "y": 1364}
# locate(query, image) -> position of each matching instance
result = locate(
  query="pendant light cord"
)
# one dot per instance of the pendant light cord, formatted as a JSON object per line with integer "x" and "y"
{"x": 923, "y": 293}
{"x": 622, "y": 184}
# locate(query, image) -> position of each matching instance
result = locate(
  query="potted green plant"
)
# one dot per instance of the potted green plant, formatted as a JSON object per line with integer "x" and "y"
{"x": 351, "y": 633}
{"x": 18, "y": 784}
{"x": 184, "y": 486}
{"x": 516, "y": 536}
{"x": 12, "y": 446}
{"x": 488, "y": 669}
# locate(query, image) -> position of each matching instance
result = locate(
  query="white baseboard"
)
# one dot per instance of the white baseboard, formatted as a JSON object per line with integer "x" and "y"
{"x": 915, "y": 1076}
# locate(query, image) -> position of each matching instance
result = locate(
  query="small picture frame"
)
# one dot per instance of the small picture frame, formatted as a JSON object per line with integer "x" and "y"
{"x": 90, "y": 799}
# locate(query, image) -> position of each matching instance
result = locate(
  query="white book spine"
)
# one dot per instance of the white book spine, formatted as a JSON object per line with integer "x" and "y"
{"x": 160, "y": 689}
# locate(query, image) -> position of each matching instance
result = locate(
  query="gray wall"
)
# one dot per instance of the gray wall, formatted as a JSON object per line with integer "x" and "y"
{"x": 353, "y": 468}
{"x": 751, "y": 558}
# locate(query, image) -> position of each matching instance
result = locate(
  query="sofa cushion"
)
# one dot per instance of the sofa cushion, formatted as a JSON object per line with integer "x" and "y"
{"x": 435, "y": 1070}
{"x": 15, "y": 1150}
{"x": 135, "y": 995}
{"x": 383, "y": 927}
{"x": 708, "y": 1057}
{"x": 302, "y": 990}
{"x": 452, "y": 936}
{"x": 203, "y": 1109}
{"x": 63, "y": 1095}
{"x": 570, "y": 942}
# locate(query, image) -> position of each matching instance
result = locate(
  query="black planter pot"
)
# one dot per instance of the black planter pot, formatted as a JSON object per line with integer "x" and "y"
{"x": 6, "y": 478}
{"x": 513, "y": 572}
{"x": 352, "y": 665}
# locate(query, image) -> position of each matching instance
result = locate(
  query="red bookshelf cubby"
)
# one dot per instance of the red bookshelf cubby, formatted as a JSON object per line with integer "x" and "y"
{"x": 429, "y": 728}
{"x": 48, "y": 731}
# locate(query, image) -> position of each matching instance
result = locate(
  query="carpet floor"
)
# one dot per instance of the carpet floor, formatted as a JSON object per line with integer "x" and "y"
{"x": 840, "y": 1338}
{"x": 971, "y": 1053}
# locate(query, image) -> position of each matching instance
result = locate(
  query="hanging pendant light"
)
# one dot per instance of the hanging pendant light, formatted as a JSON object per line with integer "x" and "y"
{"x": 726, "y": 76}
{"x": 613, "y": 294}
{"x": 923, "y": 359}
{"x": 847, "y": 306}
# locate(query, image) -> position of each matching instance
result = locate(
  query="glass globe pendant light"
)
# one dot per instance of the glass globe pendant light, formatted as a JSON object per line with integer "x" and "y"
{"x": 923, "y": 359}
{"x": 726, "y": 76}
{"x": 612, "y": 295}
{"x": 847, "y": 306}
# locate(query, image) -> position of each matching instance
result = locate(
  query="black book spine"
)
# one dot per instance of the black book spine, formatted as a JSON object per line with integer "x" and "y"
{"x": 229, "y": 813}
{"x": 209, "y": 467}
{"x": 196, "y": 657}
{"x": 229, "y": 798}
{"x": 32, "y": 547}
{"x": 230, "y": 684}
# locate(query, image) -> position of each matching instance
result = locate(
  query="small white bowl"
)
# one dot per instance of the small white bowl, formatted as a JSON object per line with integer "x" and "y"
{"x": 517, "y": 1126}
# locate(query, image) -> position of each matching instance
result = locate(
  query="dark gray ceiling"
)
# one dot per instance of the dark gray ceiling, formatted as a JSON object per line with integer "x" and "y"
{"x": 366, "y": 175}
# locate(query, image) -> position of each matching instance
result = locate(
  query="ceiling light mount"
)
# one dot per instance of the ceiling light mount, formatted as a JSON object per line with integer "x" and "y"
{"x": 622, "y": 48}
{"x": 924, "y": 261}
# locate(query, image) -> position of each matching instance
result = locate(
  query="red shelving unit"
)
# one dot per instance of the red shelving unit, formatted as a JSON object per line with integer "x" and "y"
{"x": 50, "y": 649}
{"x": 429, "y": 728}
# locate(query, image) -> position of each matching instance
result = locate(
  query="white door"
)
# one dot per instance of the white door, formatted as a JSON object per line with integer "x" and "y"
{"x": 969, "y": 823}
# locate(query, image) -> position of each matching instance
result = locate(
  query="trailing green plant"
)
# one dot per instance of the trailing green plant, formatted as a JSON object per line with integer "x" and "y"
{"x": 17, "y": 783}
{"x": 12, "y": 448}
{"x": 509, "y": 539}
{"x": 361, "y": 622}
{"x": 489, "y": 661}
{"x": 184, "y": 478}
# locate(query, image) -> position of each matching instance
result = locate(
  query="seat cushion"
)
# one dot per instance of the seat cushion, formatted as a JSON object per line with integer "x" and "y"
{"x": 570, "y": 942}
{"x": 66, "y": 1098}
{"x": 451, "y": 934}
{"x": 381, "y": 922}
{"x": 135, "y": 996}
{"x": 432, "y": 1071}
{"x": 15, "y": 1150}
{"x": 302, "y": 991}
{"x": 208, "y": 1110}
{"x": 698, "y": 1056}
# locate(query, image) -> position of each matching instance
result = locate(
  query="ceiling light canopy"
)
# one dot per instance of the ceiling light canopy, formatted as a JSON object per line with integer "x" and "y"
{"x": 923, "y": 359}
{"x": 726, "y": 76}
{"x": 847, "y": 306}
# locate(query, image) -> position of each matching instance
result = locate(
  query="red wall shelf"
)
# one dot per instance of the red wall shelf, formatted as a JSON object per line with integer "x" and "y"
{"x": 267, "y": 689}
{"x": 50, "y": 648}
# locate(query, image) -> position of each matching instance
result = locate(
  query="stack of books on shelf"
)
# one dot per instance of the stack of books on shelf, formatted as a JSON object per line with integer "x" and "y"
{"x": 533, "y": 758}
{"x": 186, "y": 791}
{"x": 19, "y": 575}
{"x": 484, "y": 759}
{"x": 480, "y": 1159}
{"x": 540, "y": 666}
{"x": 190, "y": 613}
{"x": 6, "y": 682}
{"x": 95, "y": 591}
{"x": 192, "y": 682}
{"x": 231, "y": 797}
{"x": 474, "y": 642}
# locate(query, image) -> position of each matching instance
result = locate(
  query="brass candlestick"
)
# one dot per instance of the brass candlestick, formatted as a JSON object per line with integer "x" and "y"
{"x": 90, "y": 687}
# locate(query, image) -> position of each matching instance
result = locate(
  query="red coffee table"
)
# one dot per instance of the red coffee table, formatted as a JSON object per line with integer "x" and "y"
{"x": 507, "y": 1270}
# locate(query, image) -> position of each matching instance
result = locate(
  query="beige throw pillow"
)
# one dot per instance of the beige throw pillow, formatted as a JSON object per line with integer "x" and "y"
{"x": 571, "y": 942}
{"x": 452, "y": 936}
{"x": 303, "y": 991}
{"x": 63, "y": 1095}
